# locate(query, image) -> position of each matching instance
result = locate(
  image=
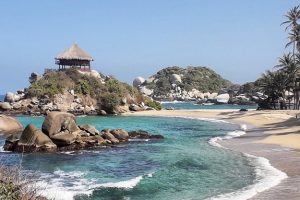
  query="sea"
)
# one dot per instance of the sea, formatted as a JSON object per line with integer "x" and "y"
{"x": 2, "y": 97}
{"x": 188, "y": 164}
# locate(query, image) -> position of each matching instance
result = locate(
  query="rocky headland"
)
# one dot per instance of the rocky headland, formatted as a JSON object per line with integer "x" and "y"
{"x": 76, "y": 92}
{"x": 61, "y": 133}
{"x": 198, "y": 84}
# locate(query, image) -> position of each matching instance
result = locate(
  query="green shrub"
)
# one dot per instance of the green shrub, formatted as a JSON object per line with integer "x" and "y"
{"x": 153, "y": 104}
{"x": 108, "y": 102}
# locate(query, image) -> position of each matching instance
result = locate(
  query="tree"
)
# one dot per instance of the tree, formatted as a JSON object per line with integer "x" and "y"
{"x": 293, "y": 17}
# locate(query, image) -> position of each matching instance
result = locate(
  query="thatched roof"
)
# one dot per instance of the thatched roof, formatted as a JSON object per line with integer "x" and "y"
{"x": 74, "y": 53}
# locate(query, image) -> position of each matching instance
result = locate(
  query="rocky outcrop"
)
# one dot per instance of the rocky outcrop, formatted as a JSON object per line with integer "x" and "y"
{"x": 32, "y": 140}
{"x": 9, "y": 125}
{"x": 140, "y": 134}
{"x": 60, "y": 132}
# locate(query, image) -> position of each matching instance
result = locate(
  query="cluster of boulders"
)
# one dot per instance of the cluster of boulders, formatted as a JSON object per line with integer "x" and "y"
{"x": 18, "y": 103}
{"x": 224, "y": 96}
{"x": 60, "y": 132}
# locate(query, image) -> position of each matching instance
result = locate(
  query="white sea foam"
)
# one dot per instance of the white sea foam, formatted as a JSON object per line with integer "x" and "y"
{"x": 63, "y": 185}
{"x": 266, "y": 175}
{"x": 237, "y": 133}
{"x": 204, "y": 119}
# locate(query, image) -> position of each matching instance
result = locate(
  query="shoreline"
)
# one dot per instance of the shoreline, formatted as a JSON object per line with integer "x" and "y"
{"x": 269, "y": 136}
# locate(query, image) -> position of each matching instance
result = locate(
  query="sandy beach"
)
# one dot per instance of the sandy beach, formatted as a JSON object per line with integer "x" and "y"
{"x": 273, "y": 135}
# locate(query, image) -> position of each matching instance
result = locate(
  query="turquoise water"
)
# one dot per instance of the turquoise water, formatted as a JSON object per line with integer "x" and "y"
{"x": 2, "y": 97}
{"x": 182, "y": 166}
{"x": 193, "y": 105}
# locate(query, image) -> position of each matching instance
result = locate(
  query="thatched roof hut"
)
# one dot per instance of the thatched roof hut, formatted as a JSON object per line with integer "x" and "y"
{"x": 74, "y": 57}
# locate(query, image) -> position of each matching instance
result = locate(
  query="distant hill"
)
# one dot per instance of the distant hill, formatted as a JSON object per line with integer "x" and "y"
{"x": 169, "y": 79}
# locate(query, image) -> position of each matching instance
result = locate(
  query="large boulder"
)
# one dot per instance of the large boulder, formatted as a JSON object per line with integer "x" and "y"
{"x": 120, "y": 134}
{"x": 59, "y": 126}
{"x": 223, "y": 98}
{"x": 33, "y": 139}
{"x": 9, "y": 125}
{"x": 5, "y": 106}
{"x": 138, "y": 81}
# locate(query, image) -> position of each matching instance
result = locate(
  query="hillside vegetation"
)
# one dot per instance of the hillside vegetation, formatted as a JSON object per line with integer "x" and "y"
{"x": 108, "y": 92}
{"x": 201, "y": 78}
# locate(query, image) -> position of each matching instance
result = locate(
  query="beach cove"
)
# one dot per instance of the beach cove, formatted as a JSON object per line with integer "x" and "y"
{"x": 270, "y": 134}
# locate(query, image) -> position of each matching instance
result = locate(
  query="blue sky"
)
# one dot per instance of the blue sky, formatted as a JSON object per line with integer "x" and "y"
{"x": 238, "y": 39}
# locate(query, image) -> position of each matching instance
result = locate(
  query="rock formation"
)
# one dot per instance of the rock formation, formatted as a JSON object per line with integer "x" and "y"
{"x": 60, "y": 132}
{"x": 9, "y": 125}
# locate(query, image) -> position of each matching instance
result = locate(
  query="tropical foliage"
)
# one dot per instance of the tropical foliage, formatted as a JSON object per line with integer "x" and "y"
{"x": 286, "y": 77}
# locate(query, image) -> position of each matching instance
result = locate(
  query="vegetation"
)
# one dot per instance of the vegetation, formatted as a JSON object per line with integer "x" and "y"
{"x": 200, "y": 78}
{"x": 108, "y": 94}
{"x": 286, "y": 76}
{"x": 153, "y": 104}
{"x": 14, "y": 185}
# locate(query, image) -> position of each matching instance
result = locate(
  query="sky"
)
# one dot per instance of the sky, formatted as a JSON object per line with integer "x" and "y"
{"x": 238, "y": 39}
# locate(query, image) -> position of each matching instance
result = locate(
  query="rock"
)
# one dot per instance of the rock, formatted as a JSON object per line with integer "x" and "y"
{"x": 33, "y": 139}
{"x": 90, "y": 129}
{"x": 9, "y": 97}
{"x": 120, "y": 134}
{"x": 222, "y": 98}
{"x": 141, "y": 134}
{"x": 9, "y": 125}
{"x": 5, "y": 106}
{"x": 138, "y": 81}
{"x": 59, "y": 126}
{"x": 122, "y": 109}
{"x": 134, "y": 107}
{"x": 175, "y": 78}
{"x": 102, "y": 112}
{"x": 145, "y": 90}
{"x": 107, "y": 135}
{"x": 17, "y": 106}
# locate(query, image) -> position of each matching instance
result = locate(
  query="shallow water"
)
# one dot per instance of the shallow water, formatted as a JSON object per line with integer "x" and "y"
{"x": 182, "y": 166}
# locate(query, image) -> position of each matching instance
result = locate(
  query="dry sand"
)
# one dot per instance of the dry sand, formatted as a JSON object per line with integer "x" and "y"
{"x": 274, "y": 135}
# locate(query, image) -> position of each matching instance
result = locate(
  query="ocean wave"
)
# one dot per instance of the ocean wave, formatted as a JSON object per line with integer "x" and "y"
{"x": 267, "y": 176}
{"x": 63, "y": 185}
{"x": 204, "y": 119}
{"x": 237, "y": 133}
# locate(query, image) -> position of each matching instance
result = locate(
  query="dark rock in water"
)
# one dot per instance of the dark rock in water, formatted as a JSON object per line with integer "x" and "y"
{"x": 107, "y": 135}
{"x": 120, "y": 134}
{"x": 243, "y": 110}
{"x": 141, "y": 134}
{"x": 60, "y": 133}
{"x": 90, "y": 129}
{"x": 31, "y": 140}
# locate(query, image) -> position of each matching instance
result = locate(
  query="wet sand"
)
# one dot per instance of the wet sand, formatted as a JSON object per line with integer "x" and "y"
{"x": 274, "y": 135}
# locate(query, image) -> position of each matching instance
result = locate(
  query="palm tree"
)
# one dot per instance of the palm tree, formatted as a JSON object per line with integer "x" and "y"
{"x": 293, "y": 16}
{"x": 273, "y": 84}
{"x": 288, "y": 66}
